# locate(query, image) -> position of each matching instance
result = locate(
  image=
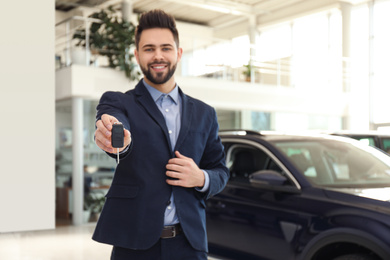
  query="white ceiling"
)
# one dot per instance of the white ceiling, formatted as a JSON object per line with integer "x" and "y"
{"x": 226, "y": 18}
{"x": 214, "y": 13}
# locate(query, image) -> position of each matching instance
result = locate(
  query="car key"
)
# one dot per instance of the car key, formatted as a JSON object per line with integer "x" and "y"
{"x": 117, "y": 137}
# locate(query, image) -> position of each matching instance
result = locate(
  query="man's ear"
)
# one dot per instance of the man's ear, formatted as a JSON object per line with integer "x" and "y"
{"x": 136, "y": 55}
{"x": 179, "y": 54}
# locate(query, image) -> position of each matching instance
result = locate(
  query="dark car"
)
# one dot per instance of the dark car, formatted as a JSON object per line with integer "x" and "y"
{"x": 373, "y": 138}
{"x": 301, "y": 197}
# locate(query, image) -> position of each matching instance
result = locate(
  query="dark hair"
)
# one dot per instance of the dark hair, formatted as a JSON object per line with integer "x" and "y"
{"x": 156, "y": 19}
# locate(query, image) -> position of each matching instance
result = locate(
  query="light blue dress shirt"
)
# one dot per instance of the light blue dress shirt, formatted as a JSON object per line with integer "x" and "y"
{"x": 170, "y": 106}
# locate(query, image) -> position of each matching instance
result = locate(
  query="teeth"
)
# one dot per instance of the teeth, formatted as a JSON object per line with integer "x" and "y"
{"x": 158, "y": 67}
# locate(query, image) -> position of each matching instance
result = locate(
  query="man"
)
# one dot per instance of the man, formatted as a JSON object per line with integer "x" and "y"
{"x": 172, "y": 161}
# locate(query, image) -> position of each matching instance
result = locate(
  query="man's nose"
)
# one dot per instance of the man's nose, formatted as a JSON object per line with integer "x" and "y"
{"x": 158, "y": 55}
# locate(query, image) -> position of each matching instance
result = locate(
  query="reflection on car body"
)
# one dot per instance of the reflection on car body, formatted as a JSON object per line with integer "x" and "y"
{"x": 301, "y": 197}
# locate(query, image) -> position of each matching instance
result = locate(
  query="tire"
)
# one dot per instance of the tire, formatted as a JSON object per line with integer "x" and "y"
{"x": 356, "y": 257}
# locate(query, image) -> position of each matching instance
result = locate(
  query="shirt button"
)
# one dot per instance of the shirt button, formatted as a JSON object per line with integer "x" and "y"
{"x": 167, "y": 110}
{"x": 170, "y": 131}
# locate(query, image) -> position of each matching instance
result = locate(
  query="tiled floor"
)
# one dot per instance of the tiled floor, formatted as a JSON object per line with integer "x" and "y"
{"x": 63, "y": 243}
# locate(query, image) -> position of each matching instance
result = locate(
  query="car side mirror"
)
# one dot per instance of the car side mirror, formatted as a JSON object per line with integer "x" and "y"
{"x": 271, "y": 180}
{"x": 269, "y": 177}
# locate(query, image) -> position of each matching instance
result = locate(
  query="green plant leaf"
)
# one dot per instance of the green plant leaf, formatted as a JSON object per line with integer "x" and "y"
{"x": 112, "y": 38}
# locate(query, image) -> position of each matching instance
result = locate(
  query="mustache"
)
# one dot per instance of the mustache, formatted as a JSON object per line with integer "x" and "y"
{"x": 159, "y": 63}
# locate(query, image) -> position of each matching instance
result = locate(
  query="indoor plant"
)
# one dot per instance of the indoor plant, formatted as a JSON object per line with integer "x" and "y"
{"x": 247, "y": 72}
{"x": 113, "y": 38}
{"x": 94, "y": 202}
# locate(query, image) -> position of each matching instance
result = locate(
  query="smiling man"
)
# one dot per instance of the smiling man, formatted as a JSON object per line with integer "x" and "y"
{"x": 172, "y": 159}
{"x": 158, "y": 54}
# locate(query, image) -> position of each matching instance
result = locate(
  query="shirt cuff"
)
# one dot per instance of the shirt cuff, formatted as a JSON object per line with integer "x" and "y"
{"x": 206, "y": 182}
{"x": 125, "y": 150}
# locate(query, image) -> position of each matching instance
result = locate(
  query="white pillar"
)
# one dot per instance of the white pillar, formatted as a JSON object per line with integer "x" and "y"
{"x": 252, "y": 40}
{"x": 78, "y": 160}
{"x": 346, "y": 47}
{"x": 127, "y": 9}
{"x": 371, "y": 100}
{"x": 346, "y": 39}
{"x": 246, "y": 119}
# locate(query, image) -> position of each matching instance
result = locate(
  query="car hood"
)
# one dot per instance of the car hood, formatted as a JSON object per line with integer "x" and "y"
{"x": 382, "y": 194}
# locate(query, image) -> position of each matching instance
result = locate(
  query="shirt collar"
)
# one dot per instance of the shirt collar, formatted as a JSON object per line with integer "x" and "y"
{"x": 174, "y": 94}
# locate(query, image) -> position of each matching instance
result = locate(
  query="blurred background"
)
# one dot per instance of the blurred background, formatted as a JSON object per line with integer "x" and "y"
{"x": 296, "y": 65}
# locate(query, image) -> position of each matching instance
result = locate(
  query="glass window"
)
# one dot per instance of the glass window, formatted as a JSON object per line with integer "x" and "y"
{"x": 317, "y": 51}
{"x": 381, "y": 57}
{"x": 243, "y": 160}
{"x": 277, "y": 41}
{"x": 337, "y": 163}
{"x": 386, "y": 144}
{"x": 301, "y": 157}
{"x": 366, "y": 140}
{"x": 98, "y": 168}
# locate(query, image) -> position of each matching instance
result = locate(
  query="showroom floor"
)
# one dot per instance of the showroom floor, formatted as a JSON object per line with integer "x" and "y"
{"x": 66, "y": 242}
{"x": 63, "y": 243}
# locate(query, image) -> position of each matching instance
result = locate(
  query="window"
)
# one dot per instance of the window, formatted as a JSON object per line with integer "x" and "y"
{"x": 243, "y": 160}
{"x": 329, "y": 163}
{"x": 386, "y": 144}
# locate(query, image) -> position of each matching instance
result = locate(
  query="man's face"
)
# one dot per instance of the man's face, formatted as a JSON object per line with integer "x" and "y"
{"x": 158, "y": 55}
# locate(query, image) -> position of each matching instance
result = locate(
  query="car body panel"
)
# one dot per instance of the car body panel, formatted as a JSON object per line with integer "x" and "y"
{"x": 299, "y": 220}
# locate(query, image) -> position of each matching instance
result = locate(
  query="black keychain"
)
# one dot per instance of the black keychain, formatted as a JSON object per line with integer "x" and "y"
{"x": 117, "y": 137}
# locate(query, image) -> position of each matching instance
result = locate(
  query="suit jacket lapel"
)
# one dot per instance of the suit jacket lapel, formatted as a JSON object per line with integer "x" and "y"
{"x": 186, "y": 118}
{"x": 146, "y": 100}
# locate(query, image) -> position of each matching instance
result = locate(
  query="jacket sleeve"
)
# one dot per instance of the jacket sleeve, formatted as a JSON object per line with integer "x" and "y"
{"x": 214, "y": 162}
{"x": 111, "y": 103}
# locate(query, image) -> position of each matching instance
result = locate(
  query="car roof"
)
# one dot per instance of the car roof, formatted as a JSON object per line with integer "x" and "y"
{"x": 281, "y": 136}
{"x": 371, "y": 133}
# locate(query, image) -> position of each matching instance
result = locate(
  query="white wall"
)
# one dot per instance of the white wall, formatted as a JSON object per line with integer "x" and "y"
{"x": 27, "y": 103}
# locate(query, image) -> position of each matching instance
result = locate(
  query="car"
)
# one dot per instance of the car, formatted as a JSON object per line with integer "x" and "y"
{"x": 306, "y": 197}
{"x": 374, "y": 138}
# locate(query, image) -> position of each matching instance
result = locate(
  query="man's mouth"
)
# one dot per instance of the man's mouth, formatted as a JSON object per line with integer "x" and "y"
{"x": 158, "y": 67}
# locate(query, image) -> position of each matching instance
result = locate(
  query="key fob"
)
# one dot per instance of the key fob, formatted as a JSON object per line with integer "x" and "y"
{"x": 117, "y": 136}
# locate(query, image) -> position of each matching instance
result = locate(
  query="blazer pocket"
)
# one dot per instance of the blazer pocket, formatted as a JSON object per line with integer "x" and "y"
{"x": 122, "y": 192}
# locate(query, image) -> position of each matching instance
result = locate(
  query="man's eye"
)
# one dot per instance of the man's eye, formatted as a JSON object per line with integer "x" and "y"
{"x": 166, "y": 49}
{"x": 148, "y": 50}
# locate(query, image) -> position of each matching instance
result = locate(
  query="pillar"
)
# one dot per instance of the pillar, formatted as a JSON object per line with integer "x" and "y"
{"x": 78, "y": 161}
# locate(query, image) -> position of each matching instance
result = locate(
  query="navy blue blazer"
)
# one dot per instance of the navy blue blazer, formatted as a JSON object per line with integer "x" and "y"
{"x": 133, "y": 214}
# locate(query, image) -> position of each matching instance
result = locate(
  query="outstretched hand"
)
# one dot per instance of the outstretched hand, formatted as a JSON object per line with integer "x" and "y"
{"x": 103, "y": 134}
{"x": 185, "y": 172}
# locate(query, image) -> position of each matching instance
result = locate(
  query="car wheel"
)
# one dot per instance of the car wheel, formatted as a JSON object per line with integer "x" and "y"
{"x": 356, "y": 257}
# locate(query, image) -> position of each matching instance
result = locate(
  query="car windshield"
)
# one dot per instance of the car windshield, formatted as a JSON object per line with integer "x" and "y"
{"x": 334, "y": 163}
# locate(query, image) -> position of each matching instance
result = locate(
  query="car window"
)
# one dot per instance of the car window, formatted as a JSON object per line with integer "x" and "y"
{"x": 243, "y": 160}
{"x": 366, "y": 140}
{"x": 302, "y": 159}
{"x": 332, "y": 163}
{"x": 386, "y": 144}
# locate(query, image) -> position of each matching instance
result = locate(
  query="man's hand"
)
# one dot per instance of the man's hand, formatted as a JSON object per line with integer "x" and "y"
{"x": 185, "y": 171}
{"x": 103, "y": 134}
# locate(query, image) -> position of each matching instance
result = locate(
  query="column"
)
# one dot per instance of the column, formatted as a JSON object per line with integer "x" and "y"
{"x": 252, "y": 40}
{"x": 246, "y": 120}
{"x": 127, "y": 9}
{"x": 346, "y": 42}
{"x": 371, "y": 100}
{"x": 78, "y": 160}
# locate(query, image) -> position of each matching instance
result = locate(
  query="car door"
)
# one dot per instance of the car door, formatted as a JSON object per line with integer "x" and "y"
{"x": 248, "y": 222}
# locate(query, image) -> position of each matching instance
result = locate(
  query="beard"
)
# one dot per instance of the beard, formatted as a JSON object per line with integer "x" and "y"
{"x": 159, "y": 78}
